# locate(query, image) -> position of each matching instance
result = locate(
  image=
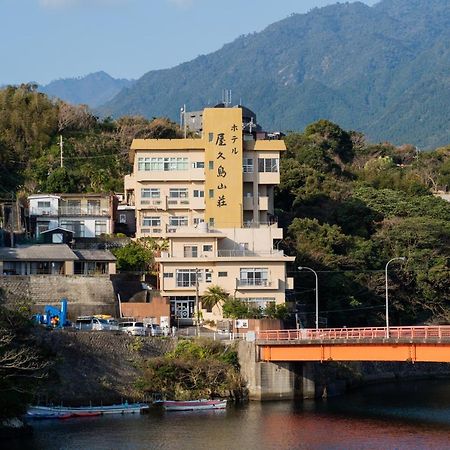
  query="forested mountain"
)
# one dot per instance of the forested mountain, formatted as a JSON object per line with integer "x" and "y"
{"x": 382, "y": 70}
{"x": 92, "y": 90}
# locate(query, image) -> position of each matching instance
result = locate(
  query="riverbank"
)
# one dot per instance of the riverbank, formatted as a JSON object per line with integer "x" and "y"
{"x": 101, "y": 367}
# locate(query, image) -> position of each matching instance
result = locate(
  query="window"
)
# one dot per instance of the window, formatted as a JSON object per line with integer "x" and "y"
{"x": 210, "y": 137}
{"x": 100, "y": 227}
{"x": 162, "y": 164}
{"x": 198, "y": 165}
{"x": 211, "y": 193}
{"x": 243, "y": 245}
{"x": 73, "y": 206}
{"x": 211, "y": 221}
{"x": 190, "y": 251}
{"x": 254, "y": 277}
{"x": 248, "y": 165}
{"x": 178, "y": 193}
{"x": 199, "y": 194}
{"x": 208, "y": 276}
{"x": 207, "y": 248}
{"x": 187, "y": 277}
{"x": 41, "y": 227}
{"x": 211, "y": 165}
{"x": 268, "y": 164}
{"x": 150, "y": 193}
{"x": 75, "y": 226}
{"x": 93, "y": 206}
{"x": 178, "y": 221}
{"x": 168, "y": 275}
{"x": 43, "y": 204}
{"x": 198, "y": 220}
{"x": 261, "y": 302}
{"x": 151, "y": 221}
{"x": 222, "y": 274}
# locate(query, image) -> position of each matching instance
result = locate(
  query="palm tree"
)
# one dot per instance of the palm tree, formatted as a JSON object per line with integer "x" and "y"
{"x": 214, "y": 296}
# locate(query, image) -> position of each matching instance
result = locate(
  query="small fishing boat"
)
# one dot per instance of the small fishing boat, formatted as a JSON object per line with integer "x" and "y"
{"x": 65, "y": 412}
{"x": 192, "y": 405}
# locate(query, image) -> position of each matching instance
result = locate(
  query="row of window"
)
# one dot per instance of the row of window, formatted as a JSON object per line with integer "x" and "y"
{"x": 177, "y": 164}
{"x": 174, "y": 221}
{"x": 78, "y": 227}
{"x": 173, "y": 193}
{"x": 190, "y": 277}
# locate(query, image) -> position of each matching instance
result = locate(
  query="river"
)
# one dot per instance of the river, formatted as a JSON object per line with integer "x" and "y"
{"x": 406, "y": 415}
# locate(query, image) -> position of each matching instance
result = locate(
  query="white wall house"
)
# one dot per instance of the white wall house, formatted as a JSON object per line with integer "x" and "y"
{"x": 87, "y": 215}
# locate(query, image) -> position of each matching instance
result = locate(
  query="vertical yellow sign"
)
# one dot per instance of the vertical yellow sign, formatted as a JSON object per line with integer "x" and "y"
{"x": 222, "y": 132}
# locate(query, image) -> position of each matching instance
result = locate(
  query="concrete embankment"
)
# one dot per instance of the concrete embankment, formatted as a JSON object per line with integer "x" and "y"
{"x": 97, "y": 367}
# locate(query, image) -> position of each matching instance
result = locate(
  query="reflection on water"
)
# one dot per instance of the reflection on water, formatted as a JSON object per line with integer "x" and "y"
{"x": 414, "y": 415}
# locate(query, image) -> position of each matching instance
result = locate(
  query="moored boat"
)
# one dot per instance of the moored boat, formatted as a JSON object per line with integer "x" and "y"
{"x": 193, "y": 405}
{"x": 64, "y": 412}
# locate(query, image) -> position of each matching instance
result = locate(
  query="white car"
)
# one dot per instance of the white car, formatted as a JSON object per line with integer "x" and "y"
{"x": 153, "y": 329}
{"x": 92, "y": 323}
{"x": 133, "y": 328}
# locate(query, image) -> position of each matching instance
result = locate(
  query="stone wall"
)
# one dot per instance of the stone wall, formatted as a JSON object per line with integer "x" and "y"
{"x": 95, "y": 366}
{"x": 85, "y": 295}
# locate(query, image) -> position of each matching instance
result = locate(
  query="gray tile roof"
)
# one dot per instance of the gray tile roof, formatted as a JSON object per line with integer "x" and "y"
{"x": 95, "y": 255}
{"x": 40, "y": 252}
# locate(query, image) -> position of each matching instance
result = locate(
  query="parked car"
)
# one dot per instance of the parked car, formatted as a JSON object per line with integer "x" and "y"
{"x": 133, "y": 328}
{"x": 153, "y": 329}
{"x": 92, "y": 323}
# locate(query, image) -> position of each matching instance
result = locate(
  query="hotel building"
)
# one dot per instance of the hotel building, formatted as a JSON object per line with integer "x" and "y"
{"x": 212, "y": 198}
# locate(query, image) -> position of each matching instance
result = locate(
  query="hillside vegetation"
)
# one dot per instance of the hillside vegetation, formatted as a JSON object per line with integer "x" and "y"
{"x": 347, "y": 206}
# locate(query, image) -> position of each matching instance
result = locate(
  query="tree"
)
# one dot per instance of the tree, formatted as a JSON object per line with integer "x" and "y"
{"x": 214, "y": 296}
{"x": 133, "y": 257}
{"x": 21, "y": 364}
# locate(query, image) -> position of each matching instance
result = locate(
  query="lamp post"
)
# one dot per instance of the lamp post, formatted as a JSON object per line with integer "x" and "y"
{"x": 399, "y": 258}
{"x": 317, "y": 293}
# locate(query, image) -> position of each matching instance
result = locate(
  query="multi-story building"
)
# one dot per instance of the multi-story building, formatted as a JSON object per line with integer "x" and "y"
{"x": 87, "y": 215}
{"x": 213, "y": 199}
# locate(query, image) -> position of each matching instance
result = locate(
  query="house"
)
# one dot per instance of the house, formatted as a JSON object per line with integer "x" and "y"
{"x": 212, "y": 198}
{"x": 87, "y": 215}
{"x": 55, "y": 259}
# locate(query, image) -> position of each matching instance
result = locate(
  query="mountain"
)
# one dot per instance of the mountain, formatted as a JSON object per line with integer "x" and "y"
{"x": 382, "y": 70}
{"x": 93, "y": 89}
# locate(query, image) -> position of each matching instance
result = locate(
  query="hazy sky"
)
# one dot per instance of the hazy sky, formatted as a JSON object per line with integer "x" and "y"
{"x": 42, "y": 40}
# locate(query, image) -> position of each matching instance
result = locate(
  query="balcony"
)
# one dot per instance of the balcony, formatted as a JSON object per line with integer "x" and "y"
{"x": 256, "y": 284}
{"x": 70, "y": 212}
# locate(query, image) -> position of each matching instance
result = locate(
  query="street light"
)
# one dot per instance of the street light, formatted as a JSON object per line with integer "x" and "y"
{"x": 399, "y": 258}
{"x": 317, "y": 293}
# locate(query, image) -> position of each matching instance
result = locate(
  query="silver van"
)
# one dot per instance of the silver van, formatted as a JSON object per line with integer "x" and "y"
{"x": 133, "y": 328}
{"x": 89, "y": 323}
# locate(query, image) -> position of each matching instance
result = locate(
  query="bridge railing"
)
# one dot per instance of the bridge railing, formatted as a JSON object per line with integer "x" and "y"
{"x": 376, "y": 333}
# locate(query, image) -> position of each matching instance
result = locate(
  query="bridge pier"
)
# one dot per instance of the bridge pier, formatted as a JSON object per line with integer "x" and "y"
{"x": 275, "y": 380}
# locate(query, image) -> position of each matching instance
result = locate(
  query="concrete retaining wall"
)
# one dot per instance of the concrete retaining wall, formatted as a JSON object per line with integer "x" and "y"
{"x": 86, "y": 295}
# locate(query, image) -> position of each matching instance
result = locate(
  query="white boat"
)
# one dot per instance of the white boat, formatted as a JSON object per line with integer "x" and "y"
{"x": 40, "y": 412}
{"x": 192, "y": 405}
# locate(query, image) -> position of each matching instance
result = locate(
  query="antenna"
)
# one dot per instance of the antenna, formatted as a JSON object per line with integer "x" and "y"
{"x": 226, "y": 97}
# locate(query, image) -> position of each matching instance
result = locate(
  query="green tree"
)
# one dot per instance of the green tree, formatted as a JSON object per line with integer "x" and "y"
{"x": 214, "y": 296}
{"x": 133, "y": 257}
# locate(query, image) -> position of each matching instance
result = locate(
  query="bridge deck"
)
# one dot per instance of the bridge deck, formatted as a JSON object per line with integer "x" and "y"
{"x": 430, "y": 344}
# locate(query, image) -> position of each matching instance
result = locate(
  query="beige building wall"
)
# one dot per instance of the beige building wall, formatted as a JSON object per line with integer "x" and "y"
{"x": 212, "y": 198}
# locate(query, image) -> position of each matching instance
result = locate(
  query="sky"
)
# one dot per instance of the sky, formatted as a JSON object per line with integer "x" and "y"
{"x": 44, "y": 40}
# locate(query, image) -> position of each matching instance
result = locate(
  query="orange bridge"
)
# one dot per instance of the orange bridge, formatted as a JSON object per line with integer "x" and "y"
{"x": 416, "y": 344}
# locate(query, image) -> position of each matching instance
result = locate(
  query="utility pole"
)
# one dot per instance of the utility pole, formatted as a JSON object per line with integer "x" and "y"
{"x": 197, "y": 307}
{"x": 61, "y": 149}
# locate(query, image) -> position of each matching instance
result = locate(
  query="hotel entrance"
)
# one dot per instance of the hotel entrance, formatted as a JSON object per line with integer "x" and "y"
{"x": 182, "y": 311}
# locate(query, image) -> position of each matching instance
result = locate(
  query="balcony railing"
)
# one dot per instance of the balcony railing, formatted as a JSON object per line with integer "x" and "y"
{"x": 66, "y": 211}
{"x": 255, "y": 282}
